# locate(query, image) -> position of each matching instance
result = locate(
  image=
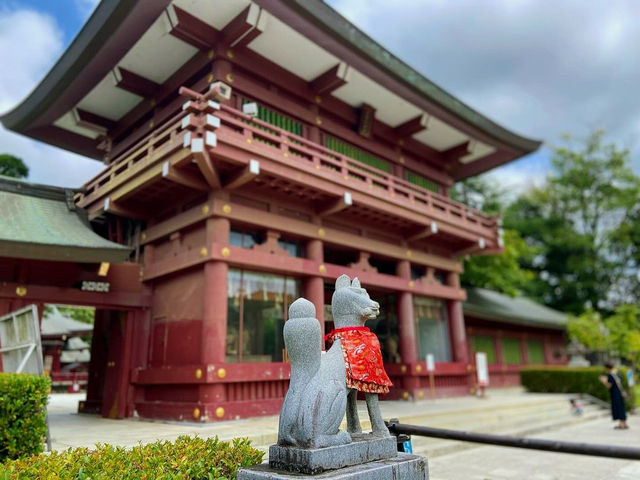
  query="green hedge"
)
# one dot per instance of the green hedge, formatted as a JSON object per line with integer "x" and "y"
{"x": 573, "y": 380}
{"x": 185, "y": 459}
{"x": 23, "y": 401}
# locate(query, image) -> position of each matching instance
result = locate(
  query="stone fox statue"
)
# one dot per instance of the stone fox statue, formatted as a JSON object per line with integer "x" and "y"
{"x": 351, "y": 308}
{"x": 316, "y": 400}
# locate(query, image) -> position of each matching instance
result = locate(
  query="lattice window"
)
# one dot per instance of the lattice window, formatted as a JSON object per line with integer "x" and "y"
{"x": 423, "y": 182}
{"x": 277, "y": 119}
{"x": 535, "y": 352}
{"x": 484, "y": 343}
{"x": 511, "y": 351}
{"x": 357, "y": 154}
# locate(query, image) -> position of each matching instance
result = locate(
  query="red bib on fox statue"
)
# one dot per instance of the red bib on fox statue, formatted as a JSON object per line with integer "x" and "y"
{"x": 362, "y": 359}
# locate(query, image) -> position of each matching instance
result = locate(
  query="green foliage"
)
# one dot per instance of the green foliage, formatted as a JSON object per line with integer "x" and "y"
{"x": 618, "y": 334}
{"x": 23, "y": 400}
{"x": 579, "y": 223}
{"x": 80, "y": 314}
{"x": 501, "y": 272}
{"x": 589, "y": 330}
{"x": 623, "y": 328}
{"x": 186, "y": 458}
{"x": 11, "y": 166}
{"x": 573, "y": 380}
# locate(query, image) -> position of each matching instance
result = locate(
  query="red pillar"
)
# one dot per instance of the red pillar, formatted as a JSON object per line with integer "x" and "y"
{"x": 458, "y": 336}
{"x": 407, "y": 327}
{"x": 456, "y": 322}
{"x": 406, "y": 322}
{"x": 314, "y": 286}
{"x": 214, "y": 321}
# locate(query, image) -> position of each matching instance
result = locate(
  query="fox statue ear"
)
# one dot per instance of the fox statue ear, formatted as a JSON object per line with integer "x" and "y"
{"x": 343, "y": 281}
{"x": 355, "y": 283}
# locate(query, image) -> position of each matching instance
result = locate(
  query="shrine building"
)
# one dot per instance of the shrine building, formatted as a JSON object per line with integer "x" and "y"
{"x": 253, "y": 151}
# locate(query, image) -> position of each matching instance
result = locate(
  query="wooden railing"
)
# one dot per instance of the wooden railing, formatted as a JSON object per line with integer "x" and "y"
{"x": 297, "y": 147}
{"x": 168, "y": 138}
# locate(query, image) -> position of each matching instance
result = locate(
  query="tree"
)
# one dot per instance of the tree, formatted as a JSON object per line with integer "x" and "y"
{"x": 80, "y": 314}
{"x": 11, "y": 166}
{"x": 501, "y": 272}
{"x": 589, "y": 330}
{"x": 578, "y": 222}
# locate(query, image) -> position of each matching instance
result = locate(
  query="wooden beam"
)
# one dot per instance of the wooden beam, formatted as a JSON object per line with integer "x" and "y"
{"x": 336, "y": 206}
{"x": 199, "y": 149}
{"x": 331, "y": 80}
{"x": 190, "y": 29}
{"x": 245, "y": 175}
{"x": 480, "y": 245}
{"x": 482, "y": 164}
{"x": 134, "y": 83}
{"x": 91, "y": 121}
{"x": 116, "y": 209}
{"x": 182, "y": 177}
{"x": 245, "y": 27}
{"x": 413, "y": 126}
{"x": 432, "y": 229}
{"x": 456, "y": 152}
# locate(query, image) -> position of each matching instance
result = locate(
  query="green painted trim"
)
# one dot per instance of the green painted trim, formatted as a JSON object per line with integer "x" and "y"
{"x": 360, "y": 155}
{"x": 423, "y": 182}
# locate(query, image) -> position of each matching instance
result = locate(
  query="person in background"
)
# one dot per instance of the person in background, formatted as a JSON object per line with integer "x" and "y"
{"x": 576, "y": 407}
{"x": 614, "y": 384}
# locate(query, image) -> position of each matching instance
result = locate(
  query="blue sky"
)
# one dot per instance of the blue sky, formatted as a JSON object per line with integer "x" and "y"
{"x": 539, "y": 68}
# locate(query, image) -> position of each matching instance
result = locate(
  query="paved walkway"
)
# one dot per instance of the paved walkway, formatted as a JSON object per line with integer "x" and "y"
{"x": 500, "y": 463}
{"x": 68, "y": 429}
{"x": 482, "y": 463}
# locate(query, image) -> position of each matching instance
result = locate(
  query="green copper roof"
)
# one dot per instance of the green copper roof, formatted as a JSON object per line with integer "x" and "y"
{"x": 42, "y": 222}
{"x": 490, "y": 305}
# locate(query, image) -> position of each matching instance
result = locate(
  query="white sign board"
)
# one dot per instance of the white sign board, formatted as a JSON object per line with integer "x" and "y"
{"x": 482, "y": 369}
{"x": 431, "y": 362}
{"x": 630, "y": 380}
{"x": 20, "y": 345}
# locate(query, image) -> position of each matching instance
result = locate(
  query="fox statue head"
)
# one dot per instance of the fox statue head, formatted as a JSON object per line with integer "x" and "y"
{"x": 351, "y": 305}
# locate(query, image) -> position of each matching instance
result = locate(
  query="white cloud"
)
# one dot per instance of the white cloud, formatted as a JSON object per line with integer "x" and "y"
{"x": 540, "y": 68}
{"x": 30, "y": 43}
{"x": 85, "y": 7}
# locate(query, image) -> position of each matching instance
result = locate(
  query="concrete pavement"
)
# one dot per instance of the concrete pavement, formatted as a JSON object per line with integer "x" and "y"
{"x": 504, "y": 411}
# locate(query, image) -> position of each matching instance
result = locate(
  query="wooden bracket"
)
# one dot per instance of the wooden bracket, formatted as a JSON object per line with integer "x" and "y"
{"x": 245, "y": 175}
{"x": 432, "y": 229}
{"x": 331, "y": 80}
{"x": 413, "y": 126}
{"x": 134, "y": 83}
{"x": 199, "y": 149}
{"x": 92, "y": 122}
{"x": 116, "y": 209}
{"x": 337, "y": 205}
{"x": 183, "y": 177}
{"x": 245, "y": 27}
{"x": 190, "y": 29}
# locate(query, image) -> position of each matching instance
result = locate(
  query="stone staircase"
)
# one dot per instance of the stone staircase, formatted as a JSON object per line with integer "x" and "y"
{"x": 518, "y": 417}
{"x": 505, "y": 414}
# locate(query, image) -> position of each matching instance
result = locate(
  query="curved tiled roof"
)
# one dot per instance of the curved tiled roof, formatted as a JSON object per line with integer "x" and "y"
{"x": 42, "y": 222}
{"x": 491, "y": 305}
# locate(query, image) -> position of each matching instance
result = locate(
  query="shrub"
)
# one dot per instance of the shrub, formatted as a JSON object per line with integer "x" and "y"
{"x": 23, "y": 401}
{"x": 573, "y": 380}
{"x": 185, "y": 459}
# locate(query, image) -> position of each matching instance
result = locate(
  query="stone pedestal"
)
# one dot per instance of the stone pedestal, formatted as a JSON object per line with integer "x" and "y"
{"x": 363, "y": 449}
{"x": 402, "y": 466}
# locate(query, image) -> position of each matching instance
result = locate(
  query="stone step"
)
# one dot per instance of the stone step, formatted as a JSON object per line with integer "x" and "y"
{"x": 432, "y": 447}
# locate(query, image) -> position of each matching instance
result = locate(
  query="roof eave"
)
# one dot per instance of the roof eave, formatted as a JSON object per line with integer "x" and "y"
{"x": 83, "y": 64}
{"x": 332, "y": 22}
